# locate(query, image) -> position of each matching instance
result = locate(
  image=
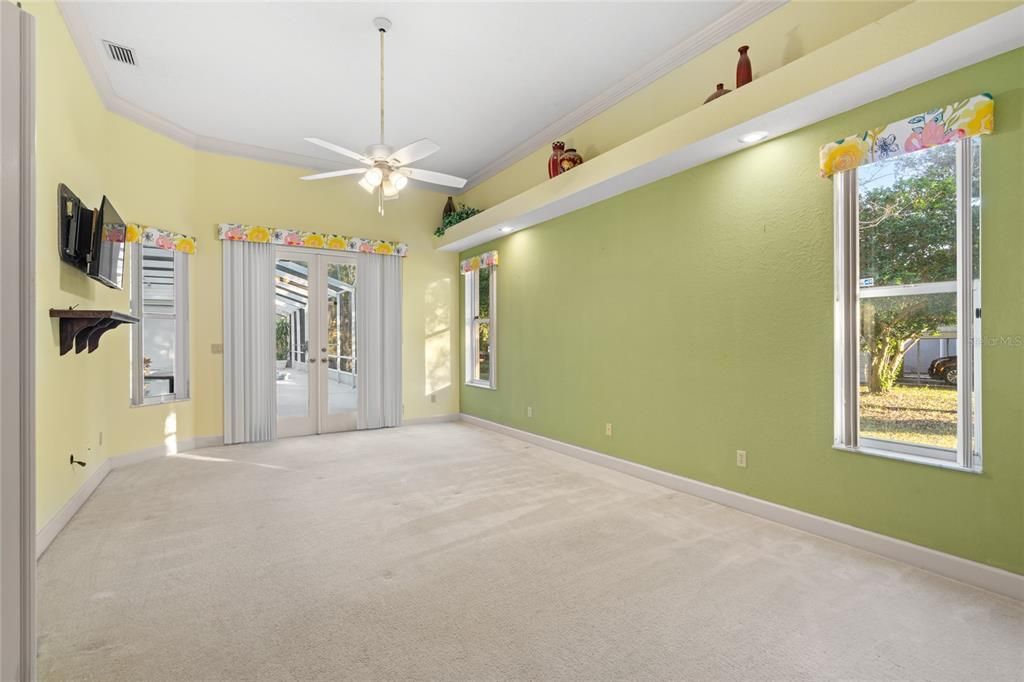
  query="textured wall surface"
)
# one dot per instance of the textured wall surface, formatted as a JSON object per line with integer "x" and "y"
{"x": 695, "y": 314}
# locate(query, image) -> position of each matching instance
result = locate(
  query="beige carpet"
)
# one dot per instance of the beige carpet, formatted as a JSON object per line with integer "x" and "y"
{"x": 448, "y": 552}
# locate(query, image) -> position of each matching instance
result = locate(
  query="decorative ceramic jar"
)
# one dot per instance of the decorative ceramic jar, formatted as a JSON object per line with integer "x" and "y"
{"x": 570, "y": 159}
{"x": 720, "y": 90}
{"x": 744, "y": 72}
{"x": 449, "y": 207}
{"x": 554, "y": 168}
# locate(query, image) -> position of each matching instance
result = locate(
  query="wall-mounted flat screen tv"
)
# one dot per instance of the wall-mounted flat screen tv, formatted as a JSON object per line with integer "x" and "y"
{"x": 91, "y": 240}
{"x": 106, "y": 257}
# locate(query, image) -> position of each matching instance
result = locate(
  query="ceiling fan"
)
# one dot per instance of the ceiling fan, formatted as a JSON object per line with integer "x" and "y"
{"x": 388, "y": 170}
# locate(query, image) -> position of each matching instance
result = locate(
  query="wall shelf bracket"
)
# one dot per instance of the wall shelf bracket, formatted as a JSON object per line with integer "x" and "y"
{"x": 83, "y": 328}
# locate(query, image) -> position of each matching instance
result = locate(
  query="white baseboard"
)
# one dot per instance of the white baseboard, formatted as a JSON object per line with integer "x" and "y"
{"x": 436, "y": 419}
{"x": 55, "y": 525}
{"x": 200, "y": 442}
{"x": 48, "y": 533}
{"x": 947, "y": 565}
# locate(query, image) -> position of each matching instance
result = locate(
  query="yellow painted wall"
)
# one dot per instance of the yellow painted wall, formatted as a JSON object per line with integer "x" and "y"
{"x": 157, "y": 181}
{"x": 243, "y": 191}
{"x": 793, "y": 31}
{"x": 150, "y": 179}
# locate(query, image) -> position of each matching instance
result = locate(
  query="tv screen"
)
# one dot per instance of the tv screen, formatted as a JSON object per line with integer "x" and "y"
{"x": 106, "y": 258}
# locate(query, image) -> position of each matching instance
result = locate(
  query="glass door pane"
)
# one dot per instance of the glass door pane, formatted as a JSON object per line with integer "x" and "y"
{"x": 295, "y": 412}
{"x": 340, "y": 372}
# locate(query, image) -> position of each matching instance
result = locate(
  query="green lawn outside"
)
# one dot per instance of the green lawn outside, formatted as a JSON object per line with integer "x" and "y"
{"x": 923, "y": 415}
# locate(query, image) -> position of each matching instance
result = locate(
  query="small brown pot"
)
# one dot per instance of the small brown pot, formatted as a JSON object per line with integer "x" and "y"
{"x": 570, "y": 159}
{"x": 720, "y": 90}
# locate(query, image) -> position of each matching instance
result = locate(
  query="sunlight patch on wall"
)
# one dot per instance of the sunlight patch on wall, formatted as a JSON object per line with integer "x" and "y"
{"x": 171, "y": 433}
{"x": 437, "y": 336}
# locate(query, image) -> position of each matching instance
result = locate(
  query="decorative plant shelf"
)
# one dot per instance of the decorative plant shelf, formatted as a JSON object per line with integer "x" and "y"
{"x": 791, "y": 97}
{"x": 83, "y": 328}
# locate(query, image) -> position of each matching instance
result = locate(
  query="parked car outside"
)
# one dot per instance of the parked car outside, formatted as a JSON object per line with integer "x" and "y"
{"x": 944, "y": 369}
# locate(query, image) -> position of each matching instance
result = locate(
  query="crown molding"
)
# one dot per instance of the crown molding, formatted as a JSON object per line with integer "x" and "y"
{"x": 735, "y": 20}
{"x": 93, "y": 61}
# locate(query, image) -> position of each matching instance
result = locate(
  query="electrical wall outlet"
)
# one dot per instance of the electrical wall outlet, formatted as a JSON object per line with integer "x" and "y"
{"x": 433, "y": 397}
{"x": 529, "y": 411}
{"x": 741, "y": 458}
{"x": 608, "y": 429}
{"x": 217, "y": 348}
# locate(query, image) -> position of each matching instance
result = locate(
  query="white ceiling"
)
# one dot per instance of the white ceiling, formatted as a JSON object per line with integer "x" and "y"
{"x": 480, "y": 79}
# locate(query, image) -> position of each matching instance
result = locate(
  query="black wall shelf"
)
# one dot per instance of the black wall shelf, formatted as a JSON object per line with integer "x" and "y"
{"x": 83, "y": 328}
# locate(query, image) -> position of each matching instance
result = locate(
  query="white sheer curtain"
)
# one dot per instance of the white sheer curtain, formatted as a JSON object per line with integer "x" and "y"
{"x": 250, "y": 392}
{"x": 379, "y": 340}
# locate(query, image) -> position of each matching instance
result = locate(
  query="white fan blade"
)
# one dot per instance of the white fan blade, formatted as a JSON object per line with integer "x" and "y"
{"x": 435, "y": 178}
{"x": 411, "y": 153}
{"x": 339, "y": 150}
{"x": 333, "y": 174}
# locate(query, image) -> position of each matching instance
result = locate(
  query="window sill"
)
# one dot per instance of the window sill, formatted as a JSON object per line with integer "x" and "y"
{"x": 903, "y": 457}
{"x": 489, "y": 387}
{"x": 154, "y": 403}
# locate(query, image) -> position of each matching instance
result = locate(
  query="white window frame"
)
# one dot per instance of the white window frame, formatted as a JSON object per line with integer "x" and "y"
{"x": 967, "y": 456}
{"x": 182, "y": 389}
{"x": 472, "y": 323}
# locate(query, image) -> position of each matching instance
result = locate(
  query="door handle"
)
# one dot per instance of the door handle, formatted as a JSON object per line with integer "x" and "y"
{"x": 323, "y": 350}
{"x": 312, "y": 360}
{"x": 323, "y": 359}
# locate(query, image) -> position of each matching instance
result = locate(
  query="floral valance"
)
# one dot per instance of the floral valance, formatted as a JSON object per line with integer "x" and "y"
{"x": 160, "y": 238}
{"x": 313, "y": 240}
{"x": 481, "y": 260}
{"x": 970, "y": 117}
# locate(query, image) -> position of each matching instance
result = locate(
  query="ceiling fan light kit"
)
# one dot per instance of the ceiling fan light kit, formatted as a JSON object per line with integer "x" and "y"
{"x": 387, "y": 174}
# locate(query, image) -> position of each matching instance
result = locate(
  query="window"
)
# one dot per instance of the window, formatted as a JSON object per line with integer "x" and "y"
{"x": 908, "y": 306}
{"x": 159, "y": 298}
{"x": 480, "y": 326}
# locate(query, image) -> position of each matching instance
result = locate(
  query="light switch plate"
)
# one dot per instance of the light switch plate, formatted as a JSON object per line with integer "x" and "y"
{"x": 217, "y": 348}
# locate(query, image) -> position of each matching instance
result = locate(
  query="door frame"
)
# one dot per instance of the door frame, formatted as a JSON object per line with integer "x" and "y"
{"x": 17, "y": 341}
{"x": 318, "y": 420}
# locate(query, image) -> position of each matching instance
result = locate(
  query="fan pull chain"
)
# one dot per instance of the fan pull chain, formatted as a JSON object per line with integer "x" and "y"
{"x": 380, "y": 188}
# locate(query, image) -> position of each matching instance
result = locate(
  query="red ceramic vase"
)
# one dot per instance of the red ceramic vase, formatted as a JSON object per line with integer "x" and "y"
{"x": 554, "y": 165}
{"x": 744, "y": 72}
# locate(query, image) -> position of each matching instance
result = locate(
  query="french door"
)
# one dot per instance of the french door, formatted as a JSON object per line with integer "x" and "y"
{"x": 315, "y": 332}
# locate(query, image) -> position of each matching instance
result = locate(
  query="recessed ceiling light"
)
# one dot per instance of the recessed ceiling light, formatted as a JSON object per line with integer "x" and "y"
{"x": 755, "y": 136}
{"x": 505, "y": 228}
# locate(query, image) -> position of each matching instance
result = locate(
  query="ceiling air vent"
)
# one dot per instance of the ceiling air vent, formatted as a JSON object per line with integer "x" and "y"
{"x": 120, "y": 53}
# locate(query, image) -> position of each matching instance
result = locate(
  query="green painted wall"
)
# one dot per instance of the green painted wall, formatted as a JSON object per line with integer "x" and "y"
{"x": 695, "y": 314}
